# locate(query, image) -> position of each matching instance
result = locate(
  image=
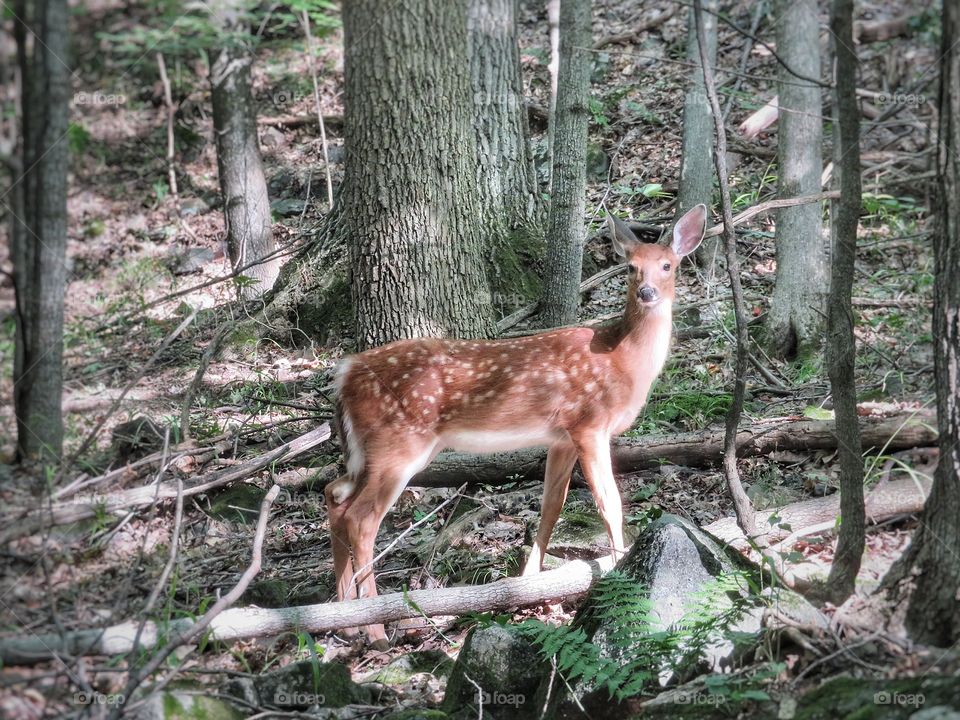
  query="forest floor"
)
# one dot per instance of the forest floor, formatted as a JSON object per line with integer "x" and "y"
{"x": 133, "y": 244}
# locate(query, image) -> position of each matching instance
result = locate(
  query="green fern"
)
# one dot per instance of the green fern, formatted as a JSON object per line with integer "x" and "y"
{"x": 622, "y": 608}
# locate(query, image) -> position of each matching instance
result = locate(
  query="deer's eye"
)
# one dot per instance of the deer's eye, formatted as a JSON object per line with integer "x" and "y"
{"x": 666, "y": 266}
{"x": 632, "y": 269}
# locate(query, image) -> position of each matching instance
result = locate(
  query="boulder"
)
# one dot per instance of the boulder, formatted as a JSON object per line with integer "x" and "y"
{"x": 498, "y": 669}
{"x": 307, "y": 684}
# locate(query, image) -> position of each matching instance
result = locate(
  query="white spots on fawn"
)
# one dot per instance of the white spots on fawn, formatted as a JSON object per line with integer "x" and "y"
{"x": 392, "y": 360}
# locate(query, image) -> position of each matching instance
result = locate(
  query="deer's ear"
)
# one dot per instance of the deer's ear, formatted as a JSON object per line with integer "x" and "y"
{"x": 689, "y": 230}
{"x": 621, "y": 236}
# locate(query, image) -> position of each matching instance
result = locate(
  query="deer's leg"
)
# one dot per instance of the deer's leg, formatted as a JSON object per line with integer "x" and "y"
{"x": 597, "y": 469}
{"x": 560, "y": 461}
{"x": 362, "y": 519}
{"x": 340, "y": 543}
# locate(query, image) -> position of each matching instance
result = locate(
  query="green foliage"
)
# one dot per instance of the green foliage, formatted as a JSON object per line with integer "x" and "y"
{"x": 78, "y": 138}
{"x": 887, "y": 208}
{"x": 691, "y": 409}
{"x": 641, "y": 649}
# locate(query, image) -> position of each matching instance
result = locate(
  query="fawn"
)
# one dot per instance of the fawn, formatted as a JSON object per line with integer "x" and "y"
{"x": 569, "y": 389}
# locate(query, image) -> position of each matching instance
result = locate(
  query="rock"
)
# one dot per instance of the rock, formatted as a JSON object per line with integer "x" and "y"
{"x": 238, "y": 503}
{"x": 919, "y": 698}
{"x": 190, "y": 260}
{"x": 401, "y": 669}
{"x": 271, "y": 137}
{"x": 287, "y": 207}
{"x": 507, "y": 669}
{"x": 582, "y": 535}
{"x": 182, "y": 705}
{"x": 192, "y": 206}
{"x": 138, "y": 438}
{"x": 417, "y": 714}
{"x": 306, "y": 684}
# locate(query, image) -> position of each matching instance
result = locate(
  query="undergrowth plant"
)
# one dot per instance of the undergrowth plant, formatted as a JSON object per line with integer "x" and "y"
{"x": 618, "y": 643}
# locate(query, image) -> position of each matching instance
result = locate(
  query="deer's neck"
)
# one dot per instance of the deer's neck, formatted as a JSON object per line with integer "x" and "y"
{"x": 645, "y": 341}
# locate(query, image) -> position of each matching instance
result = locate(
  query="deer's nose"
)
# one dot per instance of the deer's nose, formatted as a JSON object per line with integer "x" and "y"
{"x": 647, "y": 293}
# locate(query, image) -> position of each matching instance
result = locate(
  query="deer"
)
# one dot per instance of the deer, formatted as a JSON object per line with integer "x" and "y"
{"x": 570, "y": 389}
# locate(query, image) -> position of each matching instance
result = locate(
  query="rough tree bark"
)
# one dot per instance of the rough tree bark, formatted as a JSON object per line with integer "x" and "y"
{"x": 246, "y": 204}
{"x": 841, "y": 344}
{"x": 40, "y": 236}
{"x": 931, "y": 562}
{"x": 409, "y": 192}
{"x": 565, "y": 229}
{"x": 696, "y": 167}
{"x": 506, "y": 186}
{"x": 795, "y": 319}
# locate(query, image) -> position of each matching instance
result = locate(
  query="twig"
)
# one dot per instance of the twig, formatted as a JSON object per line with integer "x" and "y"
{"x": 305, "y": 19}
{"x": 212, "y": 349}
{"x": 744, "y": 57}
{"x": 168, "y": 104}
{"x": 629, "y": 35}
{"x": 198, "y": 628}
{"x": 771, "y": 205}
{"x": 406, "y": 532}
{"x": 741, "y": 501}
{"x": 167, "y": 341}
{"x": 167, "y": 569}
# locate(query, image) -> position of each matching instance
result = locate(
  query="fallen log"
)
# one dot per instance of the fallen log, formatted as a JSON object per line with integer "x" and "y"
{"x": 86, "y": 506}
{"x": 694, "y": 449}
{"x": 571, "y": 579}
{"x": 887, "y": 500}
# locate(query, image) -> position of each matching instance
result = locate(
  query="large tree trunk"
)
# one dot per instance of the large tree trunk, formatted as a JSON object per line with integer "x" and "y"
{"x": 409, "y": 193}
{"x": 794, "y": 321}
{"x": 841, "y": 344}
{"x": 696, "y": 167}
{"x": 39, "y": 244}
{"x": 931, "y": 562}
{"x": 565, "y": 230}
{"x": 246, "y": 204}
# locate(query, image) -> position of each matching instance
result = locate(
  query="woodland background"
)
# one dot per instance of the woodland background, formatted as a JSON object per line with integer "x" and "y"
{"x": 208, "y": 204}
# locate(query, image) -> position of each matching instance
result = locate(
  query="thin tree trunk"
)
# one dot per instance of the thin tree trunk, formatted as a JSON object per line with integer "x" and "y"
{"x": 41, "y": 272}
{"x": 409, "y": 193}
{"x": 246, "y": 203}
{"x": 931, "y": 562}
{"x": 565, "y": 230}
{"x": 795, "y": 319}
{"x": 696, "y": 167}
{"x": 841, "y": 344}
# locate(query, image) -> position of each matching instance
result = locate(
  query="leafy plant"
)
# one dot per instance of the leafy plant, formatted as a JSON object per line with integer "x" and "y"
{"x": 638, "y": 649}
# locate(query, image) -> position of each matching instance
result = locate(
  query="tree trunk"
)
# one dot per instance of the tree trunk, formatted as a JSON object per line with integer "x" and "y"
{"x": 246, "y": 204}
{"x": 409, "y": 193}
{"x": 565, "y": 230}
{"x": 797, "y": 306}
{"x": 696, "y": 168}
{"x": 931, "y": 561}
{"x": 841, "y": 344}
{"x": 40, "y": 242}
{"x": 506, "y": 186}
